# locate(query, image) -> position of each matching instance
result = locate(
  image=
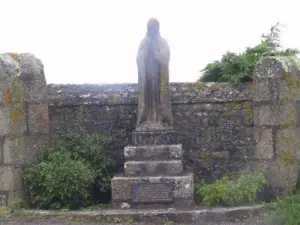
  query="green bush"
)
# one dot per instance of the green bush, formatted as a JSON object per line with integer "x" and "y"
{"x": 286, "y": 211}
{"x": 75, "y": 172}
{"x": 59, "y": 182}
{"x": 238, "y": 67}
{"x": 90, "y": 148}
{"x": 232, "y": 190}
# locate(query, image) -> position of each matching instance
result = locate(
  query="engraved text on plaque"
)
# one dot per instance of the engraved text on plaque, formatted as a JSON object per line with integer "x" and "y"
{"x": 158, "y": 192}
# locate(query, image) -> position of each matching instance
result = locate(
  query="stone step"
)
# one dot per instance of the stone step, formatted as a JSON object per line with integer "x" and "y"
{"x": 166, "y": 137}
{"x": 158, "y": 152}
{"x": 151, "y": 168}
{"x": 152, "y": 192}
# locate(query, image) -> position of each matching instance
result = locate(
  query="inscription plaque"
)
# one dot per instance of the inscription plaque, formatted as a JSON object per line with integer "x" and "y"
{"x": 158, "y": 192}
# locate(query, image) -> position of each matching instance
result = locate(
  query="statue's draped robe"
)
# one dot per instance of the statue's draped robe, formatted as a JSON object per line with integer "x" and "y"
{"x": 154, "y": 106}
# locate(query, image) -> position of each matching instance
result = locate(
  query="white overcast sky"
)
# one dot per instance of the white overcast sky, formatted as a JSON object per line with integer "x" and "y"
{"x": 96, "y": 41}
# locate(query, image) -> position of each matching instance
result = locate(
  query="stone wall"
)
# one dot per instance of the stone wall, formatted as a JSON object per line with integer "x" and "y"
{"x": 24, "y": 119}
{"x": 222, "y": 127}
{"x": 214, "y": 121}
{"x": 276, "y": 98}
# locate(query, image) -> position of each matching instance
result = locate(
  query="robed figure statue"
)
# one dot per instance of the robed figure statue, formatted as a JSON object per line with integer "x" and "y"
{"x": 154, "y": 105}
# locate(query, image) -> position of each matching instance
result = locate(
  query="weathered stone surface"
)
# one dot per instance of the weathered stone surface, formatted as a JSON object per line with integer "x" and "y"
{"x": 154, "y": 106}
{"x": 13, "y": 120}
{"x": 216, "y": 123}
{"x": 263, "y": 90}
{"x": 23, "y": 112}
{"x": 127, "y": 94}
{"x": 31, "y": 67}
{"x": 283, "y": 178}
{"x": 23, "y": 150}
{"x": 264, "y": 148}
{"x": 197, "y": 216}
{"x": 165, "y": 137}
{"x": 122, "y": 187}
{"x": 6, "y": 178}
{"x": 4, "y": 122}
{"x": 151, "y": 168}
{"x": 214, "y": 117}
{"x": 287, "y": 141}
{"x": 279, "y": 113}
{"x": 9, "y": 66}
{"x": 275, "y": 115}
{"x": 38, "y": 118}
{"x": 160, "y": 152}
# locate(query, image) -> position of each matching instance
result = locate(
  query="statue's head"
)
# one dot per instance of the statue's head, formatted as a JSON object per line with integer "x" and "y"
{"x": 152, "y": 28}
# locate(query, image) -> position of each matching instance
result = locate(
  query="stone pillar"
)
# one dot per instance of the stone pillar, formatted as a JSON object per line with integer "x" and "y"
{"x": 276, "y": 98}
{"x": 24, "y": 120}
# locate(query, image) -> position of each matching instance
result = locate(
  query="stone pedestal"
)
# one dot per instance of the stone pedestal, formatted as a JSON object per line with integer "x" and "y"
{"x": 153, "y": 174}
{"x": 157, "y": 137}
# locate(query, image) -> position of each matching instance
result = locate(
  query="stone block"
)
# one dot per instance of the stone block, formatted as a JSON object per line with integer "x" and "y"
{"x": 154, "y": 137}
{"x": 275, "y": 115}
{"x": 264, "y": 148}
{"x": 262, "y": 90}
{"x": 38, "y": 118}
{"x": 6, "y": 178}
{"x": 159, "y": 152}
{"x": 287, "y": 144}
{"x": 183, "y": 189}
{"x": 36, "y": 90}
{"x": 23, "y": 150}
{"x": 12, "y": 121}
{"x": 289, "y": 89}
{"x": 32, "y": 74}
{"x": 4, "y": 122}
{"x": 151, "y": 168}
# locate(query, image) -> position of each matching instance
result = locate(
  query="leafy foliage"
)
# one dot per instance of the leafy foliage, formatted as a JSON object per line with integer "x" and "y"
{"x": 232, "y": 190}
{"x": 90, "y": 148}
{"x": 71, "y": 173}
{"x": 286, "y": 211}
{"x": 59, "y": 182}
{"x": 237, "y": 68}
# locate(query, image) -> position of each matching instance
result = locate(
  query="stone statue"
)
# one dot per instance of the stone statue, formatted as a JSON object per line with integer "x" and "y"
{"x": 154, "y": 106}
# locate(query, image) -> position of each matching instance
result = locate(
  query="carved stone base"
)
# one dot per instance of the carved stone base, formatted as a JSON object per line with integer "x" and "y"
{"x": 166, "y": 137}
{"x": 153, "y": 168}
{"x": 126, "y": 191}
{"x": 158, "y": 152}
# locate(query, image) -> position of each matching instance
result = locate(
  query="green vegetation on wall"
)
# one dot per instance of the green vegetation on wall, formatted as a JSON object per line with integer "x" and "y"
{"x": 239, "y": 188}
{"x": 238, "y": 67}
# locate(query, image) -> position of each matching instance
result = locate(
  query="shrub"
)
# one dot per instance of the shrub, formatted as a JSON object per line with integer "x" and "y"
{"x": 286, "y": 211}
{"x": 80, "y": 161}
{"x": 238, "y": 67}
{"x": 88, "y": 148}
{"x": 232, "y": 190}
{"x": 59, "y": 182}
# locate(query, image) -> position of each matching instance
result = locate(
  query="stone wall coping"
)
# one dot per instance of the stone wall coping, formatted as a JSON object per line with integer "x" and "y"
{"x": 110, "y": 94}
{"x": 219, "y": 214}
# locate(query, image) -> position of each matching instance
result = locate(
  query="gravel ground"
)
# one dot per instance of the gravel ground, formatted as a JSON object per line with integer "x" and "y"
{"x": 22, "y": 221}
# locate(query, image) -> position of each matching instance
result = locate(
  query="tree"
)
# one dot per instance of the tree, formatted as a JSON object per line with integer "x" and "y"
{"x": 237, "y": 68}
